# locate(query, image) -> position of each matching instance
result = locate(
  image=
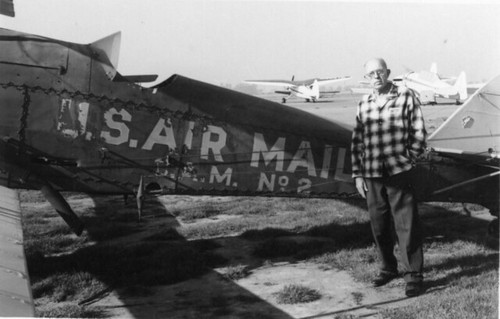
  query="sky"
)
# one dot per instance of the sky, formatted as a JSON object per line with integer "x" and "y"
{"x": 232, "y": 41}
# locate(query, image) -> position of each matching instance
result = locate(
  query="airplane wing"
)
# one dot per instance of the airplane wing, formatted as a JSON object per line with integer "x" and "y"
{"x": 305, "y": 82}
{"x": 473, "y": 129}
{"x": 15, "y": 292}
{"x": 272, "y": 82}
{"x": 333, "y": 80}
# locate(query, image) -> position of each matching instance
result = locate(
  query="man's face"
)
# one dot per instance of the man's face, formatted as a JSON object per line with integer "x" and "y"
{"x": 377, "y": 73}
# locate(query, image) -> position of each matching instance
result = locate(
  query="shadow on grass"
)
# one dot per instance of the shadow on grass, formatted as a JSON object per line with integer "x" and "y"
{"x": 278, "y": 243}
{"x": 470, "y": 266}
{"x": 443, "y": 226}
{"x": 130, "y": 256}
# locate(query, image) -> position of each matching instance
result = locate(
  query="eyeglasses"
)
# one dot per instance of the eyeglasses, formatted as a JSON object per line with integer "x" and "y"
{"x": 374, "y": 73}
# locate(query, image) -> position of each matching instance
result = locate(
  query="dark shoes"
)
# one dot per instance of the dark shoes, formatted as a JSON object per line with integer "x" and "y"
{"x": 414, "y": 289}
{"x": 383, "y": 278}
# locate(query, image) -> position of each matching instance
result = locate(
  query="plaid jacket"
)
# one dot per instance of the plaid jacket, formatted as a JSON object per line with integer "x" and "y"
{"x": 388, "y": 138}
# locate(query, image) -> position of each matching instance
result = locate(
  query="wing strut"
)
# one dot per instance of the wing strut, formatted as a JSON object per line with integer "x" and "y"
{"x": 140, "y": 198}
{"x": 470, "y": 181}
{"x": 62, "y": 207}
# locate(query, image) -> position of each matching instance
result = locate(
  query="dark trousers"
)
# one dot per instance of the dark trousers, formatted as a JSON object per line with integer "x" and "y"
{"x": 392, "y": 205}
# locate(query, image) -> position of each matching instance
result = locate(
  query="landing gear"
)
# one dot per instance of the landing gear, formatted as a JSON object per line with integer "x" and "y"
{"x": 283, "y": 100}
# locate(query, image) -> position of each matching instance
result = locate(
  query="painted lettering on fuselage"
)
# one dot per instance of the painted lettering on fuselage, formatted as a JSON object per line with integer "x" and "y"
{"x": 272, "y": 162}
{"x": 302, "y": 159}
{"x": 72, "y": 118}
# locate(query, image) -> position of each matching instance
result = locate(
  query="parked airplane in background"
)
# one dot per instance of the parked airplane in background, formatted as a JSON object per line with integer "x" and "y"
{"x": 306, "y": 89}
{"x": 429, "y": 85}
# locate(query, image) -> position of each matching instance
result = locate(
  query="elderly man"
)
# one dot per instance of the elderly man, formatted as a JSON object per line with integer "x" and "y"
{"x": 388, "y": 137}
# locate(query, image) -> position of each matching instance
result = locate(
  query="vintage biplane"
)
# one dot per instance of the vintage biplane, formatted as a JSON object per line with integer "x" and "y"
{"x": 71, "y": 122}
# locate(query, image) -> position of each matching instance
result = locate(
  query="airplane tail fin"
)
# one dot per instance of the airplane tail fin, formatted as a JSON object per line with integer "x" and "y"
{"x": 315, "y": 89}
{"x": 434, "y": 68}
{"x": 461, "y": 86}
{"x": 111, "y": 47}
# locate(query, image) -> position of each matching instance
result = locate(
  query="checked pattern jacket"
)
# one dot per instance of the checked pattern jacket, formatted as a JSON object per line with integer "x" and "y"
{"x": 389, "y": 134}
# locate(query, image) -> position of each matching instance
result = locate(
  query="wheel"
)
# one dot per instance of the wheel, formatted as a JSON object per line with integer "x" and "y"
{"x": 283, "y": 100}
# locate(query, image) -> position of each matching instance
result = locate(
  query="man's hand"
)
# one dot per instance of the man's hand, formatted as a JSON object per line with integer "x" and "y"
{"x": 361, "y": 186}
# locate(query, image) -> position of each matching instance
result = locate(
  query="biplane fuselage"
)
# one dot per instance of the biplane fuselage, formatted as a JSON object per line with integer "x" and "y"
{"x": 65, "y": 121}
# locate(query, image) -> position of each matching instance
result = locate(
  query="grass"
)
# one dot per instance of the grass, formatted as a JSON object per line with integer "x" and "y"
{"x": 283, "y": 214}
{"x": 292, "y": 294}
{"x": 236, "y": 272}
{"x": 461, "y": 263}
{"x": 67, "y": 286}
{"x": 471, "y": 297}
{"x": 69, "y": 310}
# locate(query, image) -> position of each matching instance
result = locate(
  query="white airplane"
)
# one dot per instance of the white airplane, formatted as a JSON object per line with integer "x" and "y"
{"x": 307, "y": 89}
{"x": 429, "y": 85}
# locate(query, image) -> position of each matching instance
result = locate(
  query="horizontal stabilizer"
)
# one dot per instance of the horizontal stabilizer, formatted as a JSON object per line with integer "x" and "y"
{"x": 145, "y": 78}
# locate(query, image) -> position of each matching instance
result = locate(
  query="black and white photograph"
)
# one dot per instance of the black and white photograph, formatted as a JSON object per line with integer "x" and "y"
{"x": 284, "y": 159}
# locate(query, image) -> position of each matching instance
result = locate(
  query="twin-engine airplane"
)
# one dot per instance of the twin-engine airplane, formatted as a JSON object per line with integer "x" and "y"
{"x": 306, "y": 89}
{"x": 429, "y": 85}
{"x": 71, "y": 122}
